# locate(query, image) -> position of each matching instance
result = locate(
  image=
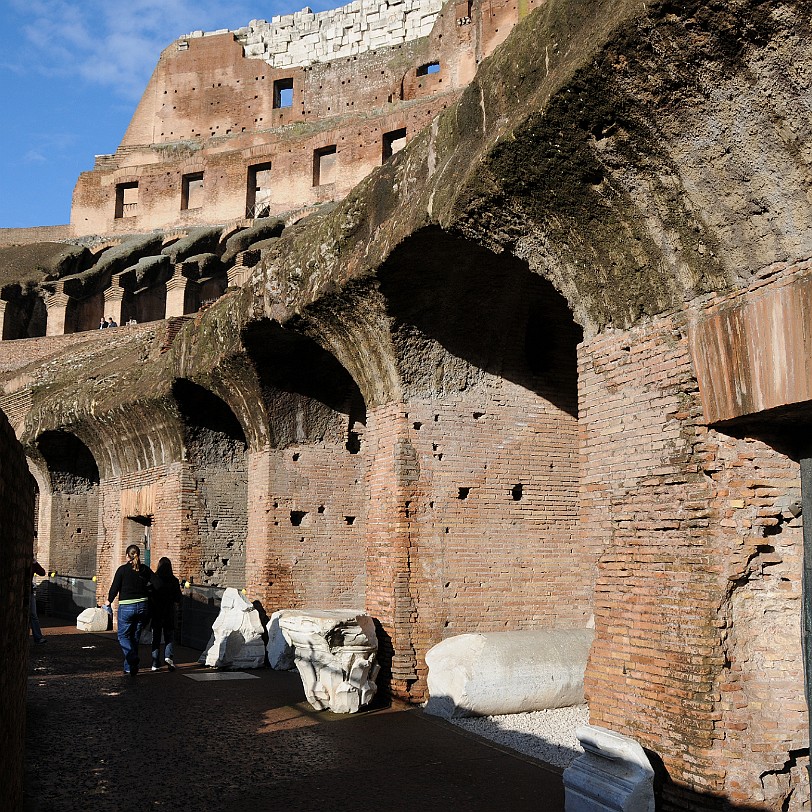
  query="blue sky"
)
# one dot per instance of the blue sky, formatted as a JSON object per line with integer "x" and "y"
{"x": 71, "y": 74}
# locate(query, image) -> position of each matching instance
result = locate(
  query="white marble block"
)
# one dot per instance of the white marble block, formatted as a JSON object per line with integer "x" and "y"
{"x": 507, "y": 672}
{"x": 236, "y": 635}
{"x": 335, "y": 655}
{"x": 613, "y": 774}
{"x": 94, "y": 619}
{"x": 281, "y": 654}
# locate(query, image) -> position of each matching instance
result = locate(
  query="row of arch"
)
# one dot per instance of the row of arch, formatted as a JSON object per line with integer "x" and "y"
{"x": 305, "y": 462}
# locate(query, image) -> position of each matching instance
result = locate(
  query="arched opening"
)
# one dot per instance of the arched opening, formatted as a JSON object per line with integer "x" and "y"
{"x": 216, "y": 455}
{"x": 314, "y": 465}
{"x": 487, "y": 352}
{"x": 71, "y": 535}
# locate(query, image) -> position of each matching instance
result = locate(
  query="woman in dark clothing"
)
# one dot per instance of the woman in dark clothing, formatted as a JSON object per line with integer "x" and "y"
{"x": 164, "y": 599}
{"x": 132, "y": 583}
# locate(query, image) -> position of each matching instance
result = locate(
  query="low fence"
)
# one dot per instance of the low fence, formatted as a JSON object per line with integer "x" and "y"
{"x": 65, "y": 596}
{"x": 198, "y": 611}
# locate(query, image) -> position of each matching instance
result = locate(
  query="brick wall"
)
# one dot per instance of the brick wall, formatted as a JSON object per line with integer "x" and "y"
{"x": 307, "y": 528}
{"x": 17, "y": 519}
{"x": 693, "y": 575}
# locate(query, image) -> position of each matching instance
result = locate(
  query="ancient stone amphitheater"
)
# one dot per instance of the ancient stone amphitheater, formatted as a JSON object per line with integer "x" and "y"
{"x": 489, "y": 317}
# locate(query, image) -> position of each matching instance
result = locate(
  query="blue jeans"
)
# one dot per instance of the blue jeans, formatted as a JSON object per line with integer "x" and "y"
{"x": 169, "y": 639}
{"x": 132, "y": 617}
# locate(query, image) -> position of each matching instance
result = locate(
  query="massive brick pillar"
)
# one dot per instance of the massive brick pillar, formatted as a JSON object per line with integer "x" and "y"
{"x": 392, "y": 474}
{"x": 3, "y": 306}
{"x": 17, "y": 520}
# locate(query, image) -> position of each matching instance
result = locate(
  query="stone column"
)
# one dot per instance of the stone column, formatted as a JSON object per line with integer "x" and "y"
{"x": 176, "y": 292}
{"x": 113, "y": 298}
{"x": 2, "y": 317}
{"x": 57, "y": 305}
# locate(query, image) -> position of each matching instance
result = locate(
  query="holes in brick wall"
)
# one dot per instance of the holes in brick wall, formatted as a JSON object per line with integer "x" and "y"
{"x": 353, "y": 444}
{"x": 437, "y": 418}
{"x": 516, "y": 492}
{"x": 417, "y": 425}
{"x": 297, "y": 517}
{"x": 320, "y": 509}
{"x": 462, "y": 493}
{"x": 295, "y": 457}
{"x": 446, "y": 529}
{"x": 215, "y": 524}
{"x": 479, "y": 415}
{"x": 225, "y": 561}
{"x": 350, "y": 520}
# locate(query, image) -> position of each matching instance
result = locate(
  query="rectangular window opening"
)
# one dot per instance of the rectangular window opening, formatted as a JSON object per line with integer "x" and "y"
{"x": 192, "y": 191}
{"x": 283, "y": 93}
{"x": 258, "y": 195}
{"x": 428, "y": 69}
{"x": 393, "y": 142}
{"x": 324, "y": 165}
{"x": 126, "y": 199}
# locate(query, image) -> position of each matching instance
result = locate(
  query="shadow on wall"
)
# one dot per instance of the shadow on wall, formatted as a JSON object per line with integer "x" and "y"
{"x": 471, "y": 309}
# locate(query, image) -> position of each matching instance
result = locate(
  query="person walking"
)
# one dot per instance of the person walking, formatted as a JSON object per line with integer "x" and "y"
{"x": 132, "y": 583}
{"x": 164, "y": 598}
{"x": 36, "y": 629}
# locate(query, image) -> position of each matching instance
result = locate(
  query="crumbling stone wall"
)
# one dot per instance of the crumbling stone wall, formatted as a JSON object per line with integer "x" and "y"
{"x": 303, "y": 37}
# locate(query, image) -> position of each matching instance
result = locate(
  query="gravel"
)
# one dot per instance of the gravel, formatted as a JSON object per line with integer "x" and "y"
{"x": 548, "y": 735}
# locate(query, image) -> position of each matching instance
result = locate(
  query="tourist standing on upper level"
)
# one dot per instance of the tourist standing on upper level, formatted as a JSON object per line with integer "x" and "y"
{"x": 164, "y": 598}
{"x": 111, "y": 322}
{"x": 102, "y": 323}
{"x": 133, "y": 583}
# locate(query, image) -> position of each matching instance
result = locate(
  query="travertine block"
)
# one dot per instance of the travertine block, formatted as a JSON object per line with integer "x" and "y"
{"x": 613, "y": 774}
{"x": 507, "y": 672}
{"x": 236, "y": 640}
{"x": 335, "y": 656}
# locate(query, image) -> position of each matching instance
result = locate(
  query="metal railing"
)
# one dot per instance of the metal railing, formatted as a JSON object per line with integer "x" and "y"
{"x": 65, "y": 595}
{"x": 198, "y": 611}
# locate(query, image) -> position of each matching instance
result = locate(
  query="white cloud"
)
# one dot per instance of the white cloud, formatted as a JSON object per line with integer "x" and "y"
{"x": 117, "y": 44}
{"x": 34, "y": 156}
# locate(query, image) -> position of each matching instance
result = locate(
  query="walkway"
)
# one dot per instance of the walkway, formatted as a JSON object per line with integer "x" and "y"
{"x": 100, "y": 741}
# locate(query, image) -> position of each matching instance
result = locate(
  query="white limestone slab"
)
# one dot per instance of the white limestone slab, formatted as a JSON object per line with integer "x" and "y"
{"x": 94, "y": 619}
{"x": 507, "y": 672}
{"x": 236, "y": 639}
{"x": 613, "y": 775}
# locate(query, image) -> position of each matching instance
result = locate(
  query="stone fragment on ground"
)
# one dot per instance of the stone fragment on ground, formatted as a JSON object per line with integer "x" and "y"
{"x": 336, "y": 653}
{"x": 236, "y": 640}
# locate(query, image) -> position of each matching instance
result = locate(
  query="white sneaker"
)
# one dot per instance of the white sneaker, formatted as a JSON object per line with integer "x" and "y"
{"x": 170, "y": 663}
{"x": 156, "y": 668}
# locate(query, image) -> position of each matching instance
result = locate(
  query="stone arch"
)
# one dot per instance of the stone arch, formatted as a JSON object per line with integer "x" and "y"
{"x": 74, "y": 513}
{"x": 312, "y": 470}
{"x": 486, "y": 443}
